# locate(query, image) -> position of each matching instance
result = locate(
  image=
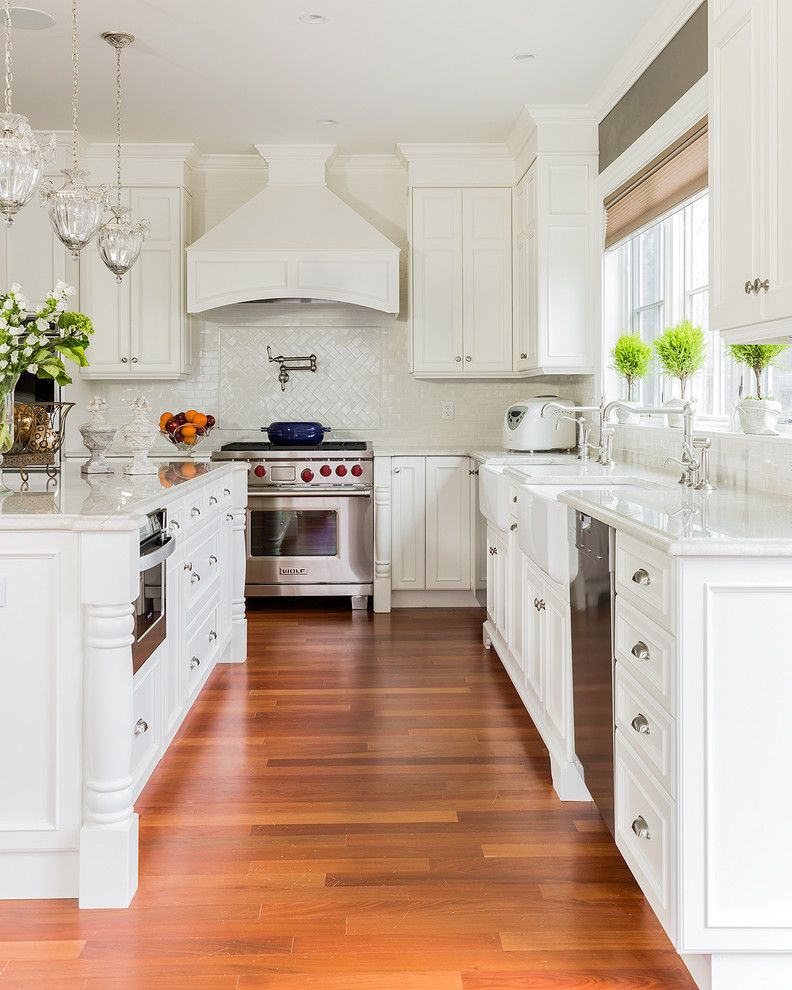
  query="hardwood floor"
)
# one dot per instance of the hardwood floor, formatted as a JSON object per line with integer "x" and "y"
{"x": 364, "y": 806}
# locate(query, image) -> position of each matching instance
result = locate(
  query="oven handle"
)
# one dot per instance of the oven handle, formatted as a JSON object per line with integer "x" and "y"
{"x": 316, "y": 493}
{"x": 160, "y": 553}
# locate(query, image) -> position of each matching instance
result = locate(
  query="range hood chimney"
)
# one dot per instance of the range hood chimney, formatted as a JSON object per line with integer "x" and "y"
{"x": 294, "y": 240}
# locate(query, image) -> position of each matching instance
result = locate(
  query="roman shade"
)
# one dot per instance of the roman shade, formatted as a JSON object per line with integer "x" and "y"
{"x": 673, "y": 177}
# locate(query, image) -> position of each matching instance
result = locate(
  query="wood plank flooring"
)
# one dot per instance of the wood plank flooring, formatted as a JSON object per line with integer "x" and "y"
{"x": 364, "y": 806}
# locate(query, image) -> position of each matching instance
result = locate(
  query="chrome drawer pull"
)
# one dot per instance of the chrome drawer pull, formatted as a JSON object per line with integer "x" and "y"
{"x": 188, "y": 566}
{"x": 195, "y": 578}
{"x": 641, "y": 724}
{"x": 513, "y": 527}
{"x": 212, "y": 500}
{"x": 640, "y": 651}
{"x": 641, "y": 828}
{"x": 141, "y": 726}
{"x": 212, "y": 559}
{"x": 226, "y": 491}
{"x": 642, "y": 577}
{"x": 195, "y": 512}
{"x": 195, "y": 662}
{"x": 212, "y": 636}
{"x": 229, "y": 517}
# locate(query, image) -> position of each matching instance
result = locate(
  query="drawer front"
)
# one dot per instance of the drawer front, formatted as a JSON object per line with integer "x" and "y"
{"x": 145, "y": 725}
{"x": 202, "y": 646}
{"x": 646, "y": 834}
{"x": 176, "y": 521}
{"x": 645, "y": 577}
{"x": 650, "y": 731}
{"x": 201, "y": 569}
{"x": 648, "y": 651}
{"x": 214, "y": 500}
{"x": 196, "y": 510}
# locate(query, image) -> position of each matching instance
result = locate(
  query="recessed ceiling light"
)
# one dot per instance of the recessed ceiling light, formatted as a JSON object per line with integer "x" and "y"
{"x": 30, "y": 19}
{"x": 327, "y": 122}
{"x": 313, "y": 18}
{"x": 523, "y": 56}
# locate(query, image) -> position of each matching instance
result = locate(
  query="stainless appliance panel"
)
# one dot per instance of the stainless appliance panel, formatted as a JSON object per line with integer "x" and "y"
{"x": 150, "y": 613}
{"x": 591, "y": 596}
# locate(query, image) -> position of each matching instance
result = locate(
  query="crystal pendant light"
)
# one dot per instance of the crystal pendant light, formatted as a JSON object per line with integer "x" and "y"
{"x": 120, "y": 238}
{"x": 75, "y": 210}
{"x": 22, "y": 155}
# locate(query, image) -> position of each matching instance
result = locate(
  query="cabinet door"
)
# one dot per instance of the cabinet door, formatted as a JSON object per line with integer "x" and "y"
{"x": 32, "y": 255}
{"x": 156, "y": 285}
{"x": 487, "y": 280}
{"x": 525, "y": 315}
{"x": 514, "y": 598}
{"x": 437, "y": 280}
{"x": 496, "y": 580}
{"x": 532, "y": 653}
{"x": 408, "y": 524}
{"x": 736, "y": 133}
{"x": 556, "y": 665}
{"x": 447, "y": 523}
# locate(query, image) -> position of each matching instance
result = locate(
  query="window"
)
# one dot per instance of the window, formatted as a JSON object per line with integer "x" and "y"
{"x": 663, "y": 277}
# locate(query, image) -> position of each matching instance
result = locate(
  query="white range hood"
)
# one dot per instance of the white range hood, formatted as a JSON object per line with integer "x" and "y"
{"x": 294, "y": 240}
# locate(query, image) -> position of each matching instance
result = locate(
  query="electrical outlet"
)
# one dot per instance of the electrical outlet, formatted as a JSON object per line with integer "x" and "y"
{"x": 448, "y": 409}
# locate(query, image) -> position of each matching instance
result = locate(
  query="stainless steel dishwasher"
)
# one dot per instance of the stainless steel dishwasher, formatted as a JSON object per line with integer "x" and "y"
{"x": 591, "y": 596}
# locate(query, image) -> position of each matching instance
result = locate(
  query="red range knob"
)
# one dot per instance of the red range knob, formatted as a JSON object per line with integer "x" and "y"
{"x": 341, "y": 470}
{"x": 325, "y": 470}
{"x": 259, "y": 470}
{"x": 307, "y": 475}
{"x": 357, "y": 470}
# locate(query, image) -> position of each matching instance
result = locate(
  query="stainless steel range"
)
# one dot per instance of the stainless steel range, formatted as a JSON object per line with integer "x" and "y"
{"x": 310, "y": 518}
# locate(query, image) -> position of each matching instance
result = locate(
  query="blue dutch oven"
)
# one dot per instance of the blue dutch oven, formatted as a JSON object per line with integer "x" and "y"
{"x": 296, "y": 434}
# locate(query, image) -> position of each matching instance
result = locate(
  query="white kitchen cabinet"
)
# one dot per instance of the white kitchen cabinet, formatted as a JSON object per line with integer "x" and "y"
{"x": 408, "y": 523}
{"x": 32, "y": 255}
{"x": 461, "y": 276}
{"x": 514, "y": 598}
{"x": 142, "y": 330}
{"x": 750, "y": 169}
{"x": 554, "y": 266}
{"x": 556, "y": 661}
{"x": 497, "y": 564}
{"x": 531, "y": 591}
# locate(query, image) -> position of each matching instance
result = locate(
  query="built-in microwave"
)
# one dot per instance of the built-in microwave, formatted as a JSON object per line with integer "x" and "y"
{"x": 150, "y": 613}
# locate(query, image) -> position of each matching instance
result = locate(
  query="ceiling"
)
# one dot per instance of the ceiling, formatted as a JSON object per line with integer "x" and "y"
{"x": 228, "y": 75}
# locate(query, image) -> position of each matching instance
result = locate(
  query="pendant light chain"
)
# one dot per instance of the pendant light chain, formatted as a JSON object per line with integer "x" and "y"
{"x": 75, "y": 83}
{"x": 118, "y": 125}
{"x": 9, "y": 57}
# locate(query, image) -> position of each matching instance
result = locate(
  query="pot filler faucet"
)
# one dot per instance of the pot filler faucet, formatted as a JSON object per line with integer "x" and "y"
{"x": 695, "y": 450}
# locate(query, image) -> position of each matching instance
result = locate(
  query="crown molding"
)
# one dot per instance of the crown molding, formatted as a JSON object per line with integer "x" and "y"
{"x": 186, "y": 153}
{"x": 454, "y": 151}
{"x": 296, "y": 152}
{"x": 456, "y": 164}
{"x": 669, "y": 17}
{"x": 230, "y": 163}
{"x": 383, "y": 164}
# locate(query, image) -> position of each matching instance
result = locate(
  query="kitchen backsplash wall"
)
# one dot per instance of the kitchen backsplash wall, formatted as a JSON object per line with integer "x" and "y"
{"x": 362, "y": 386}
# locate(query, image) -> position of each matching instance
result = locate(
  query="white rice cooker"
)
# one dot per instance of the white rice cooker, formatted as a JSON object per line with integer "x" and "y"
{"x": 525, "y": 429}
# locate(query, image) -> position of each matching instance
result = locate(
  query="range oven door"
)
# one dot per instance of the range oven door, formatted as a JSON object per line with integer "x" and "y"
{"x": 310, "y": 544}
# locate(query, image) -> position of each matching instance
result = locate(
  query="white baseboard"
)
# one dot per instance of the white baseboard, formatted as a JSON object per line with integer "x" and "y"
{"x": 433, "y": 599}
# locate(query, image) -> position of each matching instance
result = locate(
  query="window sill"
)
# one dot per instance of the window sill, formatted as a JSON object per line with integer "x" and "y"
{"x": 719, "y": 428}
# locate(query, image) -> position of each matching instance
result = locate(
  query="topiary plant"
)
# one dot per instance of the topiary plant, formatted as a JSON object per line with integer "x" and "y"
{"x": 757, "y": 357}
{"x": 631, "y": 359}
{"x": 681, "y": 350}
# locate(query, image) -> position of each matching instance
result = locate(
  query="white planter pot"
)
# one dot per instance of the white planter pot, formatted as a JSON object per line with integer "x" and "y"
{"x": 759, "y": 416}
{"x": 625, "y": 416}
{"x": 676, "y": 418}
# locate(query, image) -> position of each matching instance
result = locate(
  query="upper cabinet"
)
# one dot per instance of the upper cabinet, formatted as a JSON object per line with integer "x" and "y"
{"x": 141, "y": 324}
{"x": 751, "y": 169}
{"x": 461, "y": 300}
{"x": 554, "y": 266}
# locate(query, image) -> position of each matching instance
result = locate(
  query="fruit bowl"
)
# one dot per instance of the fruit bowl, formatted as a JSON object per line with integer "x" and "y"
{"x": 186, "y": 430}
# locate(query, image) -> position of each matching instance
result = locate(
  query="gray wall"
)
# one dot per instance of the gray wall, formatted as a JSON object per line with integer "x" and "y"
{"x": 679, "y": 65}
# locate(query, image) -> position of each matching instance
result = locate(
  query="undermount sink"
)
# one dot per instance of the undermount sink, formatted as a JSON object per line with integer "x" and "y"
{"x": 494, "y": 486}
{"x": 543, "y": 524}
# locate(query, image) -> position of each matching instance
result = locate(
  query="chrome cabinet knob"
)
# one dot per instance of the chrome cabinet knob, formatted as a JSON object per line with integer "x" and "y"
{"x": 642, "y": 578}
{"x": 468, "y": 358}
{"x": 458, "y": 358}
{"x": 188, "y": 566}
{"x": 494, "y": 551}
{"x": 174, "y": 526}
{"x": 514, "y": 498}
{"x": 640, "y": 651}
{"x": 134, "y": 360}
{"x": 124, "y": 360}
{"x": 641, "y": 724}
{"x": 195, "y": 578}
{"x": 541, "y": 605}
{"x": 536, "y": 603}
{"x": 226, "y": 492}
{"x": 229, "y": 517}
{"x": 641, "y": 828}
{"x": 397, "y": 470}
{"x": 513, "y": 527}
{"x": 748, "y": 287}
{"x": 212, "y": 636}
{"x": 759, "y": 284}
{"x": 473, "y": 472}
{"x": 194, "y": 663}
{"x": 212, "y": 559}
{"x": 212, "y": 500}
{"x": 523, "y": 357}
{"x": 195, "y": 512}
{"x": 141, "y": 726}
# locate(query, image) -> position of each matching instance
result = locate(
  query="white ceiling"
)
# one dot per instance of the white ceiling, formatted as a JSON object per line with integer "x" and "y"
{"x": 225, "y": 75}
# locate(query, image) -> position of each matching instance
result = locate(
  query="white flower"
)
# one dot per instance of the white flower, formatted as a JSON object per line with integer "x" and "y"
{"x": 31, "y": 338}
{"x": 41, "y": 325}
{"x": 3, "y": 364}
{"x": 41, "y": 341}
{"x": 27, "y": 352}
{"x": 16, "y": 331}
{"x": 60, "y": 306}
{"x": 5, "y": 348}
{"x": 32, "y": 368}
{"x": 8, "y": 304}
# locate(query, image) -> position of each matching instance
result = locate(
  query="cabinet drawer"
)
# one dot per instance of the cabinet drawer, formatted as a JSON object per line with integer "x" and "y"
{"x": 645, "y": 577}
{"x": 647, "y": 727}
{"x": 201, "y": 569}
{"x": 145, "y": 722}
{"x": 646, "y": 833}
{"x": 196, "y": 511}
{"x": 648, "y": 651}
{"x": 202, "y": 647}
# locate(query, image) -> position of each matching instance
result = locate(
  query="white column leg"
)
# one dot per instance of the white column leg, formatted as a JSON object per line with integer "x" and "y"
{"x": 739, "y": 971}
{"x": 382, "y": 534}
{"x": 236, "y": 651}
{"x": 109, "y": 834}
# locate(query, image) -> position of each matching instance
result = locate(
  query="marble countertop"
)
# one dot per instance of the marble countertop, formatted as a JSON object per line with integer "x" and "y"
{"x": 107, "y": 501}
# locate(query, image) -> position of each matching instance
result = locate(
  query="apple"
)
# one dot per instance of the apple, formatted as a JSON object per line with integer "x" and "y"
{"x": 200, "y": 431}
{"x": 172, "y": 425}
{"x": 181, "y": 418}
{"x": 210, "y": 421}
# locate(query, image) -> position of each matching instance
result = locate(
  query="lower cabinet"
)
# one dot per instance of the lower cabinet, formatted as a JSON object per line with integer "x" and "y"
{"x": 430, "y": 524}
{"x": 497, "y": 565}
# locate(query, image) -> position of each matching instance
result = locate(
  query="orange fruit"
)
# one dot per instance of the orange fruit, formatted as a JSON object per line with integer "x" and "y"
{"x": 191, "y": 414}
{"x": 190, "y": 440}
{"x": 187, "y": 431}
{"x": 198, "y": 420}
{"x": 189, "y": 470}
{"x": 164, "y": 419}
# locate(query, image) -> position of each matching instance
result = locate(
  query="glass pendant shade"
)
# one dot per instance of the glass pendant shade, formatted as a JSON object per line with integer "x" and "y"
{"x": 23, "y": 157}
{"x": 121, "y": 240}
{"x": 75, "y": 210}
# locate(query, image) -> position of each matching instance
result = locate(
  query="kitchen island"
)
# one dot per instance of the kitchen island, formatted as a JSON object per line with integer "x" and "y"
{"x": 81, "y": 731}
